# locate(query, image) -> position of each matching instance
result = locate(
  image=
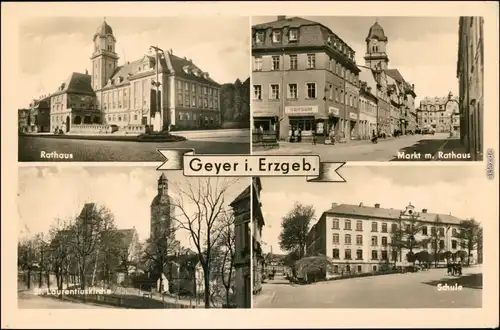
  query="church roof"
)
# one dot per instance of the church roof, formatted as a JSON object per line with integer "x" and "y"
{"x": 104, "y": 29}
{"x": 376, "y": 32}
{"x": 76, "y": 83}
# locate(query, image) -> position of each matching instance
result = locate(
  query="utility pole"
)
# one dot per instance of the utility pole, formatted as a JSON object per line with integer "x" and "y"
{"x": 157, "y": 84}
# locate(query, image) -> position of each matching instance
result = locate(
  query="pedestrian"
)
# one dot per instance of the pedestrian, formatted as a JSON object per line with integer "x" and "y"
{"x": 314, "y": 138}
{"x": 299, "y": 135}
{"x": 331, "y": 135}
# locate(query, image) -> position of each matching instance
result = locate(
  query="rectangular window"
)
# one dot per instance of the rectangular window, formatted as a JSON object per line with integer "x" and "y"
{"x": 275, "y": 63}
{"x": 336, "y": 94}
{"x": 384, "y": 241}
{"x": 359, "y": 225}
{"x": 292, "y": 91}
{"x": 359, "y": 254}
{"x": 311, "y": 61}
{"x": 276, "y": 36}
{"x": 347, "y": 225}
{"x": 441, "y": 244}
{"x": 336, "y": 254}
{"x": 394, "y": 227}
{"x": 335, "y": 224}
{"x": 374, "y": 255}
{"x": 257, "y": 92}
{"x": 453, "y": 244}
{"x": 293, "y": 35}
{"x": 257, "y": 63}
{"x": 384, "y": 255}
{"x": 274, "y": 92}
{"x": 384, "y": 227}
{"x": 359, "y": 240}
{"x": 347, "y": 254}
{"x": 335, "y": 239}
{"x": 433, "y": 231}
{"x": 311, "y": 90}
{"x": 374, "y": 227}
{"x": 374, "y": 240}
{"x": 293, "y": 62}
{"x": 347, "y": 239}
{"x": 441, "y": 232}
{"x": 259, "y": 37}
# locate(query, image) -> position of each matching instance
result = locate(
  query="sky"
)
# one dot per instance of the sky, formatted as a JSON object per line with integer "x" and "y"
{"x": 51, "y": 48}
{"x": 439, "y": 189}
{"x": 423, "y": 49}
{"x": 48, "y": 193}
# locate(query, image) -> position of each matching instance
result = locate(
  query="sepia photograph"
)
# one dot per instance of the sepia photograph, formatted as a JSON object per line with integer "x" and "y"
{"x": 137, "y": 238}
{"x": 364, "y": 88}
{"x": 95, "y": 86}
{"x": 398, "y": 237}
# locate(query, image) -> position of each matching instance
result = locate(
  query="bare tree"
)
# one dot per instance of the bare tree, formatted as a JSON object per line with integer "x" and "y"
{"x": 227, "y": 245}
{"x": 59, "y": 250}
{"x": 26, "y": 258}
{"x": 470, "y": 234}
{"x": 200, "y": 206}
{"x": 435, "y": 239}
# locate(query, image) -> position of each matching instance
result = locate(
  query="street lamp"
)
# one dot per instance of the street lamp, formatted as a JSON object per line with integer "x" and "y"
{"x": 157, "y": 83}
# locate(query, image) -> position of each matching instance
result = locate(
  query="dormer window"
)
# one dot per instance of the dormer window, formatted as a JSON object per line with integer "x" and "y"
{"x": 293, "y": 35}
{"x": 145, "y": 66}
{"x": 276, "y": 36}
{"x": 259, "y": 37}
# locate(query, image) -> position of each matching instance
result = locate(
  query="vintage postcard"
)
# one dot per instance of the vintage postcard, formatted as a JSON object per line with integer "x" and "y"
{"x": 125, "y": 237}
{"x": 95, "y": 86}
{"x": 367, "y": 88}
{"x": 389, "y": 237}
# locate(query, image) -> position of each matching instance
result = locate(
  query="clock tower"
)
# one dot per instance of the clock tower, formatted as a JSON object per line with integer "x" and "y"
{"x": 104, "y": 57}
{"x": 376, "y": 48}
{"x": 162, "y": 211}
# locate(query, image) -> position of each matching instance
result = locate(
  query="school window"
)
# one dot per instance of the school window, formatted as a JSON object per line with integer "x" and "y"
{"x": 384, "y": 227}
{"x": 441, "y": 231}
{"x": 359, "y": 240}
{"x": 293, "y": 62}
{"x": 292, "y": 91}
{"x": 374, "y": 255}
{"x": 311, "y": 90}
{"x": 293, "y": 35}
{"x": 441, "y": 244}
{"x": 374, "y": 227}
{"x": 336, "y": 254}
{"x": 259, "y": 37}
{"x": 311, "y": 61}
{"x": 274, "y": 92}
{"x": 347, "y": 239}
{"x": 359, "y": 225}
{"x": 257, "y": 63}
{"x": 454, "y": 232}
{"x": 275, "y": 63}
{"x": 347, "y": 225}
{"x": 276, "y": 36}
{"x": 453, "y": 244}
{"x": 384, "y": 255}
{"x": 335, "y": 239}
{"x": 374, "y": 241}
{"x": 347, "y": 254}
{"x": 335, "y": 224}
{"x": 433, "y": 231}
{"x": 424, "y": 230}
{"x": 359, "y": 254}
{"x": 257, "y": 92}
{"x": 384, "y": 241}
{"x": 359, "y": 269}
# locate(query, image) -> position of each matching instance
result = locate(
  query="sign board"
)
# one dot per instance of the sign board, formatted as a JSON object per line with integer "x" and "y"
{"x": 353, "y": 115}
{"x": 299, "y": 110}
{"x": 333, "y": 111}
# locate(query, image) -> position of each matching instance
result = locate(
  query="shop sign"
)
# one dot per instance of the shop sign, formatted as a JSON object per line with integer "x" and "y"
{"x": 299, "y": 110}
{"x": 333, "y": 111}
{"x": 353, "y": 116}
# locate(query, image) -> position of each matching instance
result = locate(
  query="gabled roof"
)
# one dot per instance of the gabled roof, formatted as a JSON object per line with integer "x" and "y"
{"x": 383, "y": 213}
{"x": 292, "y": 22}
{"x": 396, "y": 75}
{"x": 178, "y": 64}
{"x": 76, "y": 83}
{"x": 245, "y": 194}
{"x": 126, "y": 236}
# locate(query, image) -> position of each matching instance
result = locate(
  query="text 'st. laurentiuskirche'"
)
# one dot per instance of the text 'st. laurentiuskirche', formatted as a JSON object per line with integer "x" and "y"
{"x": 162, "y": 211}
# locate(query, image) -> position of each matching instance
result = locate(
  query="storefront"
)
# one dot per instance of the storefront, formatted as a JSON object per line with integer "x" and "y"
{"x": 353, "y": 125}
{"x": 267, "y": 123}
{"x": 334, "y": 120}
{"x": 301, "y": 118}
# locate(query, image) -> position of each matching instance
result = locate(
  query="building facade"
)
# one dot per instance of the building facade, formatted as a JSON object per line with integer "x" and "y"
{"x": 162, "y": 212}
{"x": 73, "y": 104}
{"x": 161, "y": 90}
{"x": 304, "y": 77}
{"x": 258, "y": 257}
{"x": 23, "y": 120}
{"x": 358, "y": 238}
{"x": 242, "y": 249}
{"x": 439, "y": 113}
{"x": 470, "y": 73}
{"x": 39, "y": 118}
{"x": 367, "y": 125}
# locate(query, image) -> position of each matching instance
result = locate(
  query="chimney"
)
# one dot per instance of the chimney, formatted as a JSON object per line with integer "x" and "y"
{"x": 361, "y": 204}
{"x": 86, "y": 71}
{"x": 424, "y": 210}
{"x": 281, "y": 18}
{"x": 334, "y": 205}
{"x": 171, "y": 51}
{"x": 412, "y": 87}
{"x": 377, "y": 205}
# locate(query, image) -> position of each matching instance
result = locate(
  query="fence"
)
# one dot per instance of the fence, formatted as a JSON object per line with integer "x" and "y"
{"x": 264, "y": 138}
{"x": 92, "y": 129}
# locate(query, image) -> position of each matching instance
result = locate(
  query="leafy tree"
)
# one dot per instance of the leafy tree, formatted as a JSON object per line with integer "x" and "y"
{"x": 295, "y": 227}
{"x": 405, "y": 236}
{"x": 435, "y": 239}
{"x": 471, "y": 235}
{"x": 26, "y": 258}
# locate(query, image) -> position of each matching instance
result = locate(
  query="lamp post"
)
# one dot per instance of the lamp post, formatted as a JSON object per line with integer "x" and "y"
{"x": 157, "y": 84}
{"x": 453, "y": 113}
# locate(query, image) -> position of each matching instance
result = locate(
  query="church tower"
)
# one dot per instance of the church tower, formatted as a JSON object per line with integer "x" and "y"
{"x": 376, "y": 48}
{"x": 162, "y": 211}
{"x": 104, "y": 57}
